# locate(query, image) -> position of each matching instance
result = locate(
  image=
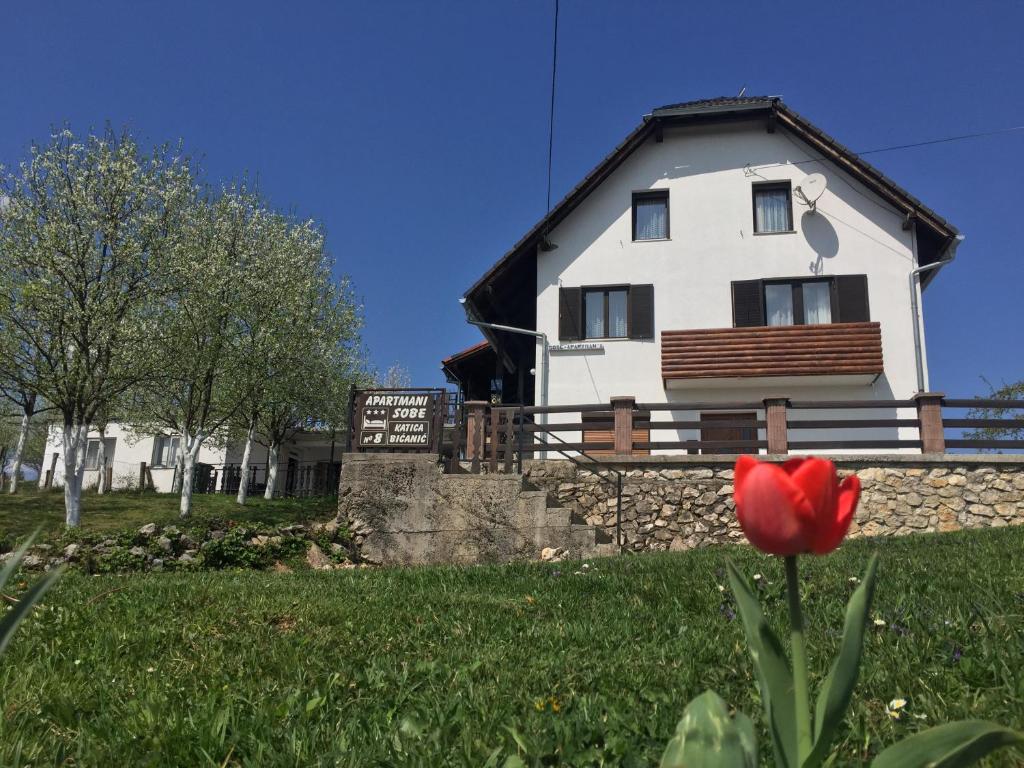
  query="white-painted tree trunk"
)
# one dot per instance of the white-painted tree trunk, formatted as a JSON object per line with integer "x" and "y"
{"x": 271, "y": 470}
{"x": 179, "y": 467}
{"x": 189, "y": 455}
{"x": 19, "y": 452}
{"x": 101, "y": 462}
{"x": 74, "y": 468}
{"x": 243, "y": 485}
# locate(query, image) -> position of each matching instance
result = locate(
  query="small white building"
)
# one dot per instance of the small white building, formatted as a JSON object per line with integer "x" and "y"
{"x": 309, "y": 462}
{"x": 690, "y": 266}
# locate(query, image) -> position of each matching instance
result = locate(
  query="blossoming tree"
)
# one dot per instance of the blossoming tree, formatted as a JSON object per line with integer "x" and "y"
{"x": 85, "y": 234}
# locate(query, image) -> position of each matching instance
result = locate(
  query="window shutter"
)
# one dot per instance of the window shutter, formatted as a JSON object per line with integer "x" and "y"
{"x": 852, "y": 298}
{"x": 570, "y": 314}
{"x": 747, "y": 306}
{"x": 641, "y": 311}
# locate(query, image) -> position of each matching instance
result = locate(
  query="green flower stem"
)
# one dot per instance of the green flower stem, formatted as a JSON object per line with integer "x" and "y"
{"x": 796, "y": 623}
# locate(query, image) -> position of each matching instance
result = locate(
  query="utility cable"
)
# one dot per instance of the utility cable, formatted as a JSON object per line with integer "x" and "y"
{"x": 551, "y": 119}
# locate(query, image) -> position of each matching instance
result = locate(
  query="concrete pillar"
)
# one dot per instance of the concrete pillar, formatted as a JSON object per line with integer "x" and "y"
{"x": 929, "y": 413}
{"x": 776, "y": 428}
{"x": 622, "y": 409}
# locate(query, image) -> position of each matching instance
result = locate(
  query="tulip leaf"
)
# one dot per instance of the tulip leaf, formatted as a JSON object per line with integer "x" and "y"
{"x": 10, "y": 620}
{"x": 837, "y": 689}
{"x": 952, "y": 745}
{"x": 708, "y": 736}
{"x": 775, "y": 679}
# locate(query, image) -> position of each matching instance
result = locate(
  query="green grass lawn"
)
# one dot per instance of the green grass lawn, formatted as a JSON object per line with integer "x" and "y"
{"x": 28, "y": 510}
{"x": 468, "y": 666}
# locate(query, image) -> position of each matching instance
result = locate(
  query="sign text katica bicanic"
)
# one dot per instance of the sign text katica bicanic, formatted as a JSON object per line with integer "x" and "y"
{"x": 399, "y": 420}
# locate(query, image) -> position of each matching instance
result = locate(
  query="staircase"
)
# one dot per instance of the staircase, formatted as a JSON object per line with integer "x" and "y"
{"x": 561, "y": 528}
{"x": 404, "y": 511}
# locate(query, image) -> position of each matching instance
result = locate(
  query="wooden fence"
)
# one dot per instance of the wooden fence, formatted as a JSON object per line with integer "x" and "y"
{"x": 498, "y": 437}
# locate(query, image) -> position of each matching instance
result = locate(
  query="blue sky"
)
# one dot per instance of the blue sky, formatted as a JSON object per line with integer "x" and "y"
{"x": 417, "y": 132}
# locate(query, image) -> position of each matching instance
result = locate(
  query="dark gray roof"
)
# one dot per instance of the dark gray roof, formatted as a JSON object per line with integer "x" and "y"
{"x": 718, "y": 101}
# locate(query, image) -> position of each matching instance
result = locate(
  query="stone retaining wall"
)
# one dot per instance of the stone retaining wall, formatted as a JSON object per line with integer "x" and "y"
{"x": 680, "y": 502}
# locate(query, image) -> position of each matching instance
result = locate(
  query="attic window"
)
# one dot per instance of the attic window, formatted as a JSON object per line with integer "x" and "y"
{"x": 650, "y": 215}
{"x": 773, "y": 207}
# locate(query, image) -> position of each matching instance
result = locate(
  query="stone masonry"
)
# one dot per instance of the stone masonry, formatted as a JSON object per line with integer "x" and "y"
{"x": 401, "y": 510}
{"x": 681, "y": 502}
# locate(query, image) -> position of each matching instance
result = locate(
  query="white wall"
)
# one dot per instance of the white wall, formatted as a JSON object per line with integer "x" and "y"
{"x": 130, "y": 450}
{"x": 711, "y": 244}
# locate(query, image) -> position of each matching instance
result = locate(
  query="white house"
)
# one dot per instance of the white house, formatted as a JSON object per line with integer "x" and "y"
{"x": 698, "y": 263}
{"x": 308, "y": 465}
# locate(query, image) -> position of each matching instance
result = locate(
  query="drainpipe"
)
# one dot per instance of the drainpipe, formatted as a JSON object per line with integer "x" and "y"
{"x": 544, "y": 354}
{"x": 543, "y": 337}
{"x": 949, "y": 255}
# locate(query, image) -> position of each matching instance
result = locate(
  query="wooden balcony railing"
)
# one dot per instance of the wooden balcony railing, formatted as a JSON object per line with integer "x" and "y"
{"x": 790, "y": 350}
{"x": 498, "y": 437}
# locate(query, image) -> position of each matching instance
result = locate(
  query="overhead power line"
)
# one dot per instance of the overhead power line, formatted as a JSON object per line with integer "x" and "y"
{"x": 551, "y": 120}
{"x": 912, "y": 145}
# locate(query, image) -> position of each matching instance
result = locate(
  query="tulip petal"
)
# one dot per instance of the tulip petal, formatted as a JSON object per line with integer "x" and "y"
{"x": 831, "y": 537}
{"x": 817, "y": 479}
{"x": 742, "y": 469}
{"x": 771, "y": 509}
{"x": 790, "y": 466}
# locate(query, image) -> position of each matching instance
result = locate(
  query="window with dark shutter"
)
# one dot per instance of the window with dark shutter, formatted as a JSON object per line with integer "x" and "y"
{"x": 570, "y": 314}
{"x": 852, "y": 298}
{"x": 641, "y": 311}
{"x": 747, "y": 304}
{"x": 802, "y": 301}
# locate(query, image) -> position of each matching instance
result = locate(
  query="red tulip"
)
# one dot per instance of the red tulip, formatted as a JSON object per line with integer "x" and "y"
{"x": 795, "y": 507}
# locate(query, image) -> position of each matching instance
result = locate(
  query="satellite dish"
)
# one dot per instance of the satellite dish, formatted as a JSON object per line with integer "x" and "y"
{"x": 810, "y": 189}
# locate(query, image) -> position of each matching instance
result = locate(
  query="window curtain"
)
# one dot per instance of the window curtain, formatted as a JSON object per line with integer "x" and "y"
{"x": 778, "y": 300}
{"x": 817, "y": 303}
{"x": 651, "y": 219}
{"x": 594, "y": 308}
{"x": 772, "y": 210}
{"x": 617, "y": 314}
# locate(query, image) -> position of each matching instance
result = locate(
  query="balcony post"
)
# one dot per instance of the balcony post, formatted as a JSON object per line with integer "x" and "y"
{"x": 776, "y": 428}
{"x": 929, "y": 415}
{"x": 475, "y": 421}
{"x": 622, "y": 409}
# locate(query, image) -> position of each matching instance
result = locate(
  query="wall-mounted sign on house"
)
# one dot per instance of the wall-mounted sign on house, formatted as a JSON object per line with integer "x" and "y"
{"x": 396, "y": 420}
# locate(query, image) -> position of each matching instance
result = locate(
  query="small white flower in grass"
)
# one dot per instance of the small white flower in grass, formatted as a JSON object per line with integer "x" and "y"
{"x": 151, "y": 669}
{"x": 894, "y": 707}
{"x": 879, "y": 623}
{"x": 853, "y": 580}
{"x": 758, "y": 577}
{"x": 721, "y": 588}
{"x": 77, "y": 662}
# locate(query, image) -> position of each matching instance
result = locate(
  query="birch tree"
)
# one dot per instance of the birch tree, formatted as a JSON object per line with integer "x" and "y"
{"x": 84, "y": 238}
